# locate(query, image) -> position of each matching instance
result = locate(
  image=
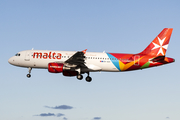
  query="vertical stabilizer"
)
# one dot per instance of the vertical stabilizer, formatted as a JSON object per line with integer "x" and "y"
{"x": 159, "y": 45}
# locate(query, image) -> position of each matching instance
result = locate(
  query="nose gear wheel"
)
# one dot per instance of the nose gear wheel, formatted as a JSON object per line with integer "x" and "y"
{"x": 29, "y": 75}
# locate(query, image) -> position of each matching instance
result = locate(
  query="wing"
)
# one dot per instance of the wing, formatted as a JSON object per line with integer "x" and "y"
{"x": 77, "y": 60}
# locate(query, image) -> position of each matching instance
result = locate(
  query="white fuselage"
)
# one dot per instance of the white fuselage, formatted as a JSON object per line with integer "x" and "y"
{"x": 95, "y": 61}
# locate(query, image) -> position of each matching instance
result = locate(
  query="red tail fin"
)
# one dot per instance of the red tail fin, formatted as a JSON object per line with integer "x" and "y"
{"x": 159, "y": 45}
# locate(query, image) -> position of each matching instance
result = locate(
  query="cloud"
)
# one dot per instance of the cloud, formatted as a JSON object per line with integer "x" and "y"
{"x": 50, "y": 114}
{"x": 59, "y": 114}
{"x": 61, "y": 107}
{"x": 167, "y": 118}
{"x": 96, "y": 118}
{"x": 46, "y": 114}
{"x": 64, "y": 118}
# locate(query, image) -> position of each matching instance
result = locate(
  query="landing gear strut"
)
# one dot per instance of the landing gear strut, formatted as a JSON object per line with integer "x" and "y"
{"x": 79, "y": 76}
{"x": 29, "y": 75}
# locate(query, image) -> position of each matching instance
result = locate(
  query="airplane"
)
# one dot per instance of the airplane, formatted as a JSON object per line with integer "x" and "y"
{"x": 71, "y": 63}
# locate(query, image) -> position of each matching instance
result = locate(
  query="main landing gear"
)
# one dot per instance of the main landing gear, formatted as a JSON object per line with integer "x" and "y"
{"x": 29, "y": 75}
{"x": 79, "y": 77}
{"x": 88, "y": 78}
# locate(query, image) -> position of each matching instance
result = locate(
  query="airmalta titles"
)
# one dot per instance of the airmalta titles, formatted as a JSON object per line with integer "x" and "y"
{"x": 49, "y": 55}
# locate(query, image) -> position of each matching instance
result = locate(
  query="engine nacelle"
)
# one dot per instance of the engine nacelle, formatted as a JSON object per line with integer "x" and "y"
{"x": 59, "y": 67}
{"x": 55, "y": 67}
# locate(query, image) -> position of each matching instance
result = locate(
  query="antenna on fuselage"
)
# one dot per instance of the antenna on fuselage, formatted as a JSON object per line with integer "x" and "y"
{"x": 32, "y": 48}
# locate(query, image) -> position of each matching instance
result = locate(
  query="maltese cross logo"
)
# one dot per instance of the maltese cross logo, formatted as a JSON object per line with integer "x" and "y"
{"x": 162, "y": 48}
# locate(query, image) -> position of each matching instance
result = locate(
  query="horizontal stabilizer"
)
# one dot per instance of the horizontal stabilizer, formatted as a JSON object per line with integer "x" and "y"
{"x": 158, "y": 59}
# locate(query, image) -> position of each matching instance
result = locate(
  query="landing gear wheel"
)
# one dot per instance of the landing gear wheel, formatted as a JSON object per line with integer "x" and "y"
{"x": 28, "y": 75}
{"x": 88, "y": 79}
{"x": 79, "y": 77}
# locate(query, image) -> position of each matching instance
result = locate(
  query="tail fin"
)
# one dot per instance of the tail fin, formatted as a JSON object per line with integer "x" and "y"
{"x": 159, "y": 45}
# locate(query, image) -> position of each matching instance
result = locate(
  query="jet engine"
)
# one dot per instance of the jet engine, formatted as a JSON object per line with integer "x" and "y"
{"x": 55, "y": 67}
{"x": 59, "y": 67}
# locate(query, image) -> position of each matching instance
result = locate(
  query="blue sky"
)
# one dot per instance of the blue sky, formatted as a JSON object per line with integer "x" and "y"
{"x": 97, "y": 25}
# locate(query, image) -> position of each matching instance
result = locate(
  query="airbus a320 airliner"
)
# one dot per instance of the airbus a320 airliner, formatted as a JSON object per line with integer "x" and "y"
{"x": 77, "y": 63}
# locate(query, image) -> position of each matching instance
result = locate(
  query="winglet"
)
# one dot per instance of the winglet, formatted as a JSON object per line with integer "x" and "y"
{"x": 84, "y": 51}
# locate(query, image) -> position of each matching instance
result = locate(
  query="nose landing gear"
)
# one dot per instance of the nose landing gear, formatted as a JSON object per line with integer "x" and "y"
{"x": 29, "y": 75}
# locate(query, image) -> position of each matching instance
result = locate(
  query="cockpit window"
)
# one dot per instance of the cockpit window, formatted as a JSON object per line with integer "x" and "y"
{"x": 18, "y": 54}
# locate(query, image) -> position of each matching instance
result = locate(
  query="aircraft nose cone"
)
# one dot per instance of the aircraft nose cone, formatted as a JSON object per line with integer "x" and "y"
{"x": 10, "y": 60}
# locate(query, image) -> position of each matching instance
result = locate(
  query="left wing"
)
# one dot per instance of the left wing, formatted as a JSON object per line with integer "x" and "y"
{"x": 77, "y": 60}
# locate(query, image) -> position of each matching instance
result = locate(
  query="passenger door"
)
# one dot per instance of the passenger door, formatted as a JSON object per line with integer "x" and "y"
{"x": 27, "y": 56}
{"x": 136, "y": 60}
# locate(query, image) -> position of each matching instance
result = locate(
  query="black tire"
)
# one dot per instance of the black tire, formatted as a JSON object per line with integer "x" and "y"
{"x": 28, "y": 75}
{"x": 88, "y": 79}
{"x": 79, "y": 77}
